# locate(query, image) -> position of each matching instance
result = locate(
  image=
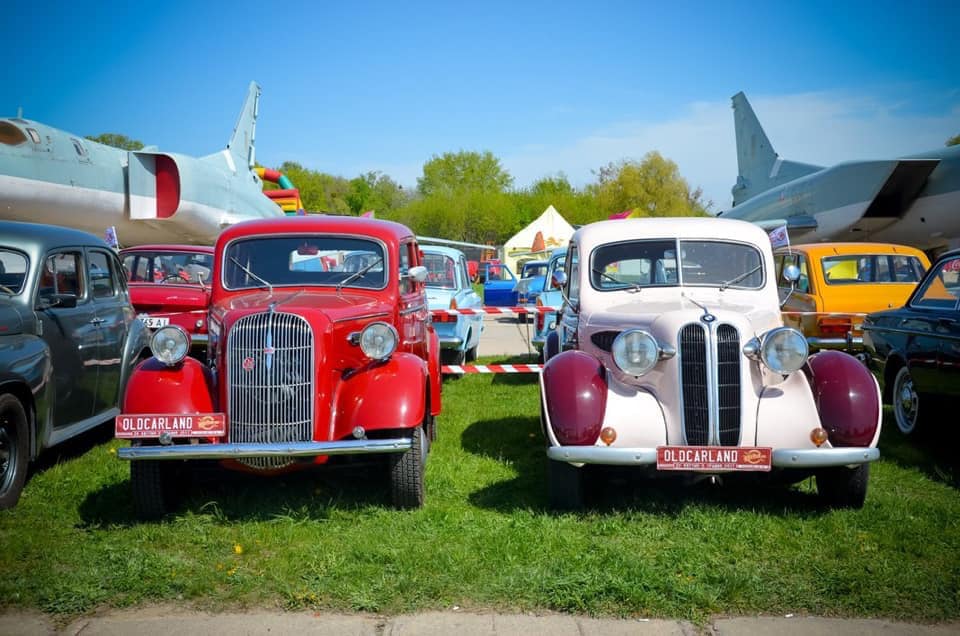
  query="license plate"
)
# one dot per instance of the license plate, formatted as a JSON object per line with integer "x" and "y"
{"x": 154, "y": 322}
{"x": 707, "y": 458}
{"x": 154, "y": 425}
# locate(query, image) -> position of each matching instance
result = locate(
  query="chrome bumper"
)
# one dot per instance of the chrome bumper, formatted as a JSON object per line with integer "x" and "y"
{"x": 450, "y": 342}
{"x": 841, "y": 344}
{"x": 291, "y": 449}
{"x": 782, "y": 458}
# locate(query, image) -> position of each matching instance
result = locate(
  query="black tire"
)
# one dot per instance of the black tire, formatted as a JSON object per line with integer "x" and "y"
{"x": 14, "y": 448}
{"x": 565, "y": 485}
{"x": 471, "y": 354}
{"x": 151, "y": 482}
{"x": 453, "y": 356}
{"x": 406, "y": 473}
{"x": 843, "y": 487}
{"x": 906, "y": 402}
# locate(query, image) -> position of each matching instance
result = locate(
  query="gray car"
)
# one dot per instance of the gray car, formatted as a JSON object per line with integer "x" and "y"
{"x": 69, "y": 339}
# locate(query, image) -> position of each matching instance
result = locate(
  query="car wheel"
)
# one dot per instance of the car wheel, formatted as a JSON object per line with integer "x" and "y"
{"x": 843, "y": 487}
{"x": 565, "y": 485}
{"x": 13, "y": 450}
{"x": 406, "y": 474}
{"x": 471, "y": 355}
{"x": 906, "y": 402}
{"x": 152, "y": 485}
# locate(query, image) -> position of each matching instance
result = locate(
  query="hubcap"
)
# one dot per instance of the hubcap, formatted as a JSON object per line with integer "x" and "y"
{"x": 907, "y": 403}
{"x": 7, "y": 460}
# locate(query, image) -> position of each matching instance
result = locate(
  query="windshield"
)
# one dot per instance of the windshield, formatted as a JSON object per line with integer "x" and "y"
{"x": 441, "y": 271}
{"x": 13, "y": 271}
{"x": 534, "y": 269}
{"x": 304, "y": 260}
{"x": 168, "y": 267}
{"x": 654, "y": 263}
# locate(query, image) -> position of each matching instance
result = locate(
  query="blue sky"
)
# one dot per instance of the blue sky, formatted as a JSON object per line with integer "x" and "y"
{"x": 548, "y": 87}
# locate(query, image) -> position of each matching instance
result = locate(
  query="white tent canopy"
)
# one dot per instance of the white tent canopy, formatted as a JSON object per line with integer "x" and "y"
{"x": 553, "y": 228}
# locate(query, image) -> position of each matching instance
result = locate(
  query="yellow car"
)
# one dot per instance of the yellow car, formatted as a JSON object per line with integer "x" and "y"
{"x": 842, "y": 282}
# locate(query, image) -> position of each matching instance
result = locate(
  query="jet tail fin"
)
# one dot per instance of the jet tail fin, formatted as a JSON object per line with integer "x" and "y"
{"x": 760, "y": 167}
{"x": 239, "y": 153}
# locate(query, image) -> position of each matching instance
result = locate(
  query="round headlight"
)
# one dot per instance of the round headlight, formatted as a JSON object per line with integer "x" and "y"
{"x": 170, "y": 344}
{"x": 378, "y": 340}
{"x": 635, "y": 351}
{"x": 784, "y": 350}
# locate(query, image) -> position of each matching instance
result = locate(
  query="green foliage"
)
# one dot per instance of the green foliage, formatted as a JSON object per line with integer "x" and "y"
{"x": 653, "y": 186}
{"x": 457, "y": 172}
{"x": 375, "y": 191}
{"x": 320, "y": 192}
{"x": 953, "y": 141}
{"x": 117, "y": 141}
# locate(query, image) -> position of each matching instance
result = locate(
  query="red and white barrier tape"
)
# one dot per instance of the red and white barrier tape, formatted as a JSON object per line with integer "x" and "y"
{"x": 494, "y": 310}
{"x": 491, "y": 368}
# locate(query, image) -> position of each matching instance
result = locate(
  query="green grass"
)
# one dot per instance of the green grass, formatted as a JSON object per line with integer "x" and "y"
{"x": 485, "y": 539}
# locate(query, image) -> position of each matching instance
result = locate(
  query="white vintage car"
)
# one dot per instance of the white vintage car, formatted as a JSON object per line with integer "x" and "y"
{"x": 670, "y": 355}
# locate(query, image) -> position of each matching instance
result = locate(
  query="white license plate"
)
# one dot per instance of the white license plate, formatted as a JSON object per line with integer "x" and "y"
{"x": 154, "y": 322}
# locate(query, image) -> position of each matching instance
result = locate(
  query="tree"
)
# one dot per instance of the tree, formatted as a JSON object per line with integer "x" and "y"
{"x": 117, "y": 141}
{"x": 375, "y": 191}
{"x": 653, "y": 186}
{"x": 954, "y": 141}
{"x": 463, "y": 172}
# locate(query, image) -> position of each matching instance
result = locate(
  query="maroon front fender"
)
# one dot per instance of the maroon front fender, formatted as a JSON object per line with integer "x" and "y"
{"x": 154, "y": 387}
{"x": 847, "y": 398}
{"x": 389, "y": 395}
{"x": 575, "y": 388}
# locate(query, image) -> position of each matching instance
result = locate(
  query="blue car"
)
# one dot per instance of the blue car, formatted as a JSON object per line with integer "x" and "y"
{"x": 448, "y": 287}
{"x": 550, "y": 297}
{"x": 499, "y": 285}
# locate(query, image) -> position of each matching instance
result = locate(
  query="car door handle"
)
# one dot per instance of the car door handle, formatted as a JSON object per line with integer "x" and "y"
{"x": 98, "y": 321}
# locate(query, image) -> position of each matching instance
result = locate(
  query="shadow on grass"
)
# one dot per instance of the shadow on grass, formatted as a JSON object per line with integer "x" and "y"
{"x": 519, "y": 442}
{"x": 932, "y": 451}
{"x": 207, "y": 488}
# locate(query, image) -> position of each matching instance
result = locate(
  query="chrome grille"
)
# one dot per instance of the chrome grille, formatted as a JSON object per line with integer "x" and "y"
{"x": 693, "y": 382}
{"x": 728, "y": 384}
{"x": 270, "y": 383}
{"x": 710, "y": 384}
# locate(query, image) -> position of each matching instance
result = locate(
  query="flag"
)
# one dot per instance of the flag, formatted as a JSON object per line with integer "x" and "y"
{"x": 110, "y": 237}
{"x": 368, "y": 214}
{"x": 779, "y": 236}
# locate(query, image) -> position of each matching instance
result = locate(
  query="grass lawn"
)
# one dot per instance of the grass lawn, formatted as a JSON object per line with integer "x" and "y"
{"x": 485, "y": 539}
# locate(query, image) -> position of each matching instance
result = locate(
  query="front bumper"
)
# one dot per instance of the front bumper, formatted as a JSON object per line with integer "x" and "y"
{"x": 290, "y": 449}
{"x": 451, "y": 342}
{"x": 781, "y": 458}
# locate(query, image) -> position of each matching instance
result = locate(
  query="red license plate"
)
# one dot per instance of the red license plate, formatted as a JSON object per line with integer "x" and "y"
{"x": 154, "y": 425}
{"x": 706, "y": 458}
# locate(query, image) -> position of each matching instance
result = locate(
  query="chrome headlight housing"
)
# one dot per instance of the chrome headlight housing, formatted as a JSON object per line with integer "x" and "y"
{"x": 784, "y": 350}
{"x": 378, "y": 340}
{"x": 635, "y": 351}
{"x": 170, "y": 344}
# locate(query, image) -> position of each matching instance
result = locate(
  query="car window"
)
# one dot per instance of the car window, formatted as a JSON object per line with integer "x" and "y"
{"x": 255, "y": 262}
{"x": 941, "y": 288}
{"x": 441, "y": 271}
{"x": 851, "y": 269}
{"x": 13, "y": 271}
{"x": 573, "y": 279}
{"x": 61, "y": 275}
{"x": 168, "y": 267}
{"x": 464, "y": 280}
{"x": 99, "y": 274}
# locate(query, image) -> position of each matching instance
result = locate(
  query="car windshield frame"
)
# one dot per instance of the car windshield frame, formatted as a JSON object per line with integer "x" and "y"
{"x": 657, "y": 267}
{"x": 275, "y": 261}
{"x": 436, "y": 279}
{"x": 178, "y": 260}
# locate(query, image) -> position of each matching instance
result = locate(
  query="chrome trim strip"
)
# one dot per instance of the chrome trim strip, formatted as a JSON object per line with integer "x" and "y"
{"x": 290, "y": 449}
{"x": 603, "y": 455}
{"x": 834, "y": 343}
{"x": 382, "y": 315}
{"x": 821, "y": 457}
{"x": 413, "y": 310}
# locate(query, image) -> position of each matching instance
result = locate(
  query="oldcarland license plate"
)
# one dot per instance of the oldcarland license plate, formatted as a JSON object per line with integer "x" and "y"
{"x": 705, "y": 458}
{"x": 154, "y": 425}
{"x": 154, "y": 322}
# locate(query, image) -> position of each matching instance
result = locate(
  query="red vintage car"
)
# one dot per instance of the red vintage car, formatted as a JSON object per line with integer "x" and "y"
{"x": 170, "y": 285}
{"x": 306, "y": 365}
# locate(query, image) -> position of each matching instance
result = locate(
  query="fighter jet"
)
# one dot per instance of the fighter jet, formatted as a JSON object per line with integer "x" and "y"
{"x": 912, "y": 200}
{"x": 55, "y": 177}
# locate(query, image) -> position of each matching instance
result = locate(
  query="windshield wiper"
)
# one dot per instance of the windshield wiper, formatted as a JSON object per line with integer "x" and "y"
{"x": 358, "y": 274}
{"x": 251, "y": 274}
{"x": 739, "y": 278}
{"x": 633, "y": 286}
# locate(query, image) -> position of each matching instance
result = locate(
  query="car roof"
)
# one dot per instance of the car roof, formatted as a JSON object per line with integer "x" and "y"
{"x": 200, "y": 249}
{"x": 849, "y": 247}
{"x": 590, "y": 236}
{"x": 439, "y": 249}
{"x": 36, "y": 238}
{"x": 387, "y": 231}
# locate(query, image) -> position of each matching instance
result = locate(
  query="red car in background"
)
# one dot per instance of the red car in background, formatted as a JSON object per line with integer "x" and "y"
{"x": 170, "y": 285}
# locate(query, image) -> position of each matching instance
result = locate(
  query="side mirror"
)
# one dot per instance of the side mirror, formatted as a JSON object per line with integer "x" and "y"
{"x": 791, "y": 273}
{"x": 558, "y": 280}
{"x": 418, "y": 273}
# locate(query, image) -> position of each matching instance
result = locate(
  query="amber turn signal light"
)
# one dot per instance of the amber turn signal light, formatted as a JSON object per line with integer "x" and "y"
{"x": 818, "y": 436}
{"x": 608, "y": 435}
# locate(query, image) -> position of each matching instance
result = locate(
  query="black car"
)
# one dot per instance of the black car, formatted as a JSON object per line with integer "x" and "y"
{"x": 915, "y": 350}
{"x": 69, "y": 339}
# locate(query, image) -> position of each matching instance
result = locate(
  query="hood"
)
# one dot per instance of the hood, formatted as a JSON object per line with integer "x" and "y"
{"x": 346, "y": 305}
{"x": 166, "y": 297}
{"x": 11, "y": 323}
